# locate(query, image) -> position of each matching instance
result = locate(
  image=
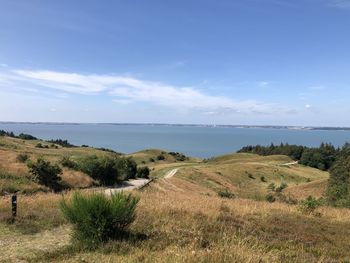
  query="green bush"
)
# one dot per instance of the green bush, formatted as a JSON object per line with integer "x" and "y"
{"x": 108, "y": 170}
{"x": 281, "y": 187}
{"x": 270, "y": 198}
{"x": 67, "y": 162}
{"x": 250, "y": 175}
{"x": 22, "y": 157}
{"x": 24, "y": 136}
{"x": 309, "y": 205}
{"x": 97, "y": 218}
{"x": 143, "y": 172}
{"x": 46, "y": 174}
{"x": 160, "y": 157}
{"x": 263, "y": 179}
{"x": 40, "y": 145}
{"x": 226, "y": 194}
{"x": 127, "y": 168}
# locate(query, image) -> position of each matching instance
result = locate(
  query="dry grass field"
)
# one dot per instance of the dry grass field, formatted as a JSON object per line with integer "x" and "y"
{"x": 177, "y": 221}
{"x": 182, "y": 218}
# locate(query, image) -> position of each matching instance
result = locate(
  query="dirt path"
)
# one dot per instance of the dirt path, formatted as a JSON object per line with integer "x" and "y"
{"x": 128, "y": 186}
{"x": 170, "y": 174}
{"x": 288, "y": 164}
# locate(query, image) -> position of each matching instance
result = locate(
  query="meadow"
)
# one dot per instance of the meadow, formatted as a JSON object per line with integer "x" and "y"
{"x": 182, "y": 218}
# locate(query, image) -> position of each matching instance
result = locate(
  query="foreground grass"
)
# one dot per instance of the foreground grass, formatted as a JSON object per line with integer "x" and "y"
{"x": 184, "y": 226}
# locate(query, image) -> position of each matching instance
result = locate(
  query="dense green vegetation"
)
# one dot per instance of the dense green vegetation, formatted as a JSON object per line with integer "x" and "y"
{"x": 46, "y": 174}
{"x": 338, "y": 190}
{"x": 22, "y": 136}
{"x": 97, "y": 218}
{"x": 63, "y": 143}
{"x": 179, "y": 156}
{"x": 321, "y": 158}
{"x": 143, "y": 172}
{"x": 108, "y": 170}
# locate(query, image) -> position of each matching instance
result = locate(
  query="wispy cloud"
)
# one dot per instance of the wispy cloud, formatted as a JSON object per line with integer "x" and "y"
{"x": 339, "y": 3}
{"x": 263, "y": 83}
{"x": 317, "y": 88}
{"x": 126, "y": 90}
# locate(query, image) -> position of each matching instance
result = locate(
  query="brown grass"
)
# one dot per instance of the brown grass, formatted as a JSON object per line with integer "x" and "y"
{"x": 178, "y": 221}
{"x": 76, "y": 179}
{"x": 316, "y": 189}
{"x": 182, "y": 219}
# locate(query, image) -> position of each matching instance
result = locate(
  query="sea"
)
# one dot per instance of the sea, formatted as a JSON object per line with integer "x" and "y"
{"x": 196, "y": 141}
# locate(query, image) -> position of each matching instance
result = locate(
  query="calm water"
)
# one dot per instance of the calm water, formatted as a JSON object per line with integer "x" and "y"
{"x": 194, "y": 141}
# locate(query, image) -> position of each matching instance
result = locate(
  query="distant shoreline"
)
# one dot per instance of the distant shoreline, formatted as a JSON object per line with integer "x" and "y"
{"x": 325, "y": 128}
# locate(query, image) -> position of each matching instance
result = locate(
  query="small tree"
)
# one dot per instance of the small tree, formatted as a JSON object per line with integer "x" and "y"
{"x": 97, "y": 218}
{"x": 143, "y": 172}
{"x": 46, "y": 174}
{"x": 22, "y": 157}
{"x": 309, "y": 205}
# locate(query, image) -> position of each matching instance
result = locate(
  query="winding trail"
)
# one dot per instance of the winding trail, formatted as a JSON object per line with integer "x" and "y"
{"x": 128, "y": 186}
{"x": 171, "y": 173}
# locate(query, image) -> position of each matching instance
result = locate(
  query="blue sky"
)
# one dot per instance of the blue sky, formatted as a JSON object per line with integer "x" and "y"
{"x": 277, "y": 62}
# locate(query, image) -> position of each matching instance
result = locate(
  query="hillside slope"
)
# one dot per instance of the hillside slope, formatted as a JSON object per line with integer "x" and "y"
{"x": 249, "y": 175}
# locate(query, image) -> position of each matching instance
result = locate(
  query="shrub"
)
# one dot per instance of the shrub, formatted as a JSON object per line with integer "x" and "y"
{"x": 151, "y": 160}
{"x": 226, "y": 194}
{"x": 179, "y": 156}
{"x": 250, "y": 176}
{"x": 46, "y": 174}
{"x": 263, "y": 179}
{"x": 63, "y": 143}
{"x": 281, "y": 187}
{"x": 270, "y": 198}
{"x": 271, "y": 187}
{"x": 24, "y": 136}
{"x": 67, "y": 162}
{"x": 108, "y": 170}
{"x": 143, "y": 172}
{"x": 39, "y": 145}
{"x": 22, "y": 157}
{"x": 97, "y": 218}
{"x": 107, "y": 150}
{"x": 160, "y": 157}
{"x": 309, "y": 205}
{"x": 127, "y": 168}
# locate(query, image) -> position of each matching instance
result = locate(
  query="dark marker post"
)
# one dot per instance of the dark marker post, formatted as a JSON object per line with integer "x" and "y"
{"x": 14, "y": 206}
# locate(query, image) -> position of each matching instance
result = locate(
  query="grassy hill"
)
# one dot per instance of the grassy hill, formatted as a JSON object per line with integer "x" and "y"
{"x": 181, "y": 218}
{"x": 14, "y": 173}
{"x": 249, "y": 175}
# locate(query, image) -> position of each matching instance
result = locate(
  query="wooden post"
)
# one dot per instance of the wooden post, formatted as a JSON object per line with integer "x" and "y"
{"x": 14, "y": 206}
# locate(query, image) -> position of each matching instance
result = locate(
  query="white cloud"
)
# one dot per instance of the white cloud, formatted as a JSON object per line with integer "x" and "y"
{"x": 263, "y": 83}
{"x": 126, "y": 90}
{"x": 308, "y": 106}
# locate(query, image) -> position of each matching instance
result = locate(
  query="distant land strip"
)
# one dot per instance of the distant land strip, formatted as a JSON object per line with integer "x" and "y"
{"x": 191, "y": 125}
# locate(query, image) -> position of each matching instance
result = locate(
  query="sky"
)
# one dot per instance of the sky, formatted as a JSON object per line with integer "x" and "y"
{"x": 249, "y": 62}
